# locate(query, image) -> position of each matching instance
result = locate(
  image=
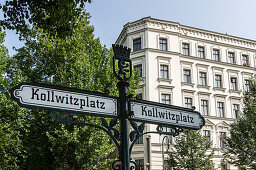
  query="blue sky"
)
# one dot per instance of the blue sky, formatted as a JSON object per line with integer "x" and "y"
{"x": 234, "y": 17}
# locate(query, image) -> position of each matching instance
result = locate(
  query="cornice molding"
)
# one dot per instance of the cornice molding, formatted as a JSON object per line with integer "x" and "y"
{"x": 217, "y": 62}
{"x": 219, "y": 118}
{"x": 220, "y": 95}
{"x": 233, "y": 71}
{"x": 191, "y": 32}
{"x": 235, "y": 97}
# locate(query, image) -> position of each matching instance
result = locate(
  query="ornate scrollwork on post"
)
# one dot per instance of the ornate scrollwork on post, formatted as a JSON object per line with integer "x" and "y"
{"x": 133, "y": 165}
{"x": 80, "y": 119}
{"x": 116, "y": 165}
{"x": 122, "y": 55}
{"x": 110, "y": 127}
{"x": 138, "y": 130}
{"x": 174, "y": 131}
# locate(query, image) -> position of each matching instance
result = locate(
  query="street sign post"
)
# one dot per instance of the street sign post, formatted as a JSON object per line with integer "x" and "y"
{"x": 62, "y": 99}
{"x": 166, "y": 115}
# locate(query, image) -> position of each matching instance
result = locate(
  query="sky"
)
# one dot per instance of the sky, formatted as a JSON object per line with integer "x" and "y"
{"x": 234, "y": 17}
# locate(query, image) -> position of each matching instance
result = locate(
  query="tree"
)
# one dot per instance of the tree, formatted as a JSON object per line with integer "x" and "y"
{"x": 76, "y": 61}
{"x": 54, "y": 16}
{"x": 190, "y": 152}
{"x": 9, "y": 143}
{"x": 241, "y": 145}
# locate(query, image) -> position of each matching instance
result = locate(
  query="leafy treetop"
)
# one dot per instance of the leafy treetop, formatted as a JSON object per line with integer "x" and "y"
{"x": 55, "y": 16}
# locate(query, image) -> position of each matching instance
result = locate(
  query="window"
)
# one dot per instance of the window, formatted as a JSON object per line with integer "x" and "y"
{"x": 247, "y": 85}
{"x": 137, "y": 44}
{"x": 188, "y": 102}
{"x": 220, "y": 109}
{"x": 139, "y": 140}
{"x": 236, "y": 110}
{"x": 218, "y": 81}
{"x": 164, "y": 71}
{"x": 233, "y": 83}
{"x": 222, "y": 137}
{"x": 185, "y": 49}
{"x": 202, "y": 78}
{"x": 204, "y": 107}
{"x": 216, "y": 54}
{"x": 163, "y": 44}
{"x": 201, "y": 53}
{"x": 140, "y": 164}
{"x": 231, "y": 57}
{"x": 138, "y": 67}
{"x": 245, "y": 60}
{"x": 207, "y": 135}
{"x": 165, "y": 98}
{"x": 187, "y": 76}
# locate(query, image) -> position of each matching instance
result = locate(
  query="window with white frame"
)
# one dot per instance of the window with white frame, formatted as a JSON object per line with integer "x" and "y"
{"x": 138, "y": 67}
{"x": 216, "y": 54}
{"x": 204, "y": 107}
{"x": 233, "y": 83}
{"x": 201, "y": 52}
{"x": 163, "y": 44}
{"x": 222, "y": 138}
{"x": 185, "y": 48}
{"x": 202, "y": 79}
{"x": 164, "y": 71}
{"x": 188, "y": 102}
{"x": 207, "y": 135}
{"x": 137, "y": 44}
{"x": 166, "y": 98}
{"x": 220, "y": 109}
{"x": 235, "y": 108}
{"x": 246, "y": 85}
{"x": 245, "y": 60}
{"x": 231, "y": 57}
{"x": 187, "y": 75}
{"x": 218, "y": 80}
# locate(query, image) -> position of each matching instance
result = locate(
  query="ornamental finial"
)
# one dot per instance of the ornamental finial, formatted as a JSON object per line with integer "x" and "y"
{"x": 122, "y": 56}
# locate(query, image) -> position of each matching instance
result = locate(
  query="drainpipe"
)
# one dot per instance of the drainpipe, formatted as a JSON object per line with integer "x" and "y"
{"x": 148, "y": 164}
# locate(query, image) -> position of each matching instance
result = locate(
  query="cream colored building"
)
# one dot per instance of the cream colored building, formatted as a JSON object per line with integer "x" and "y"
{"x": 187, "y": 66}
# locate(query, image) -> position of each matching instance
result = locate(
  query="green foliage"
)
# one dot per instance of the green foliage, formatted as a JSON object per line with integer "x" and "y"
{"x": 9, "y": 135}
{"x": 76, "y": 61}
{"x": 54, "y": 16}
{"x": 241, "y": 145}
{"x": 190, "y": 152}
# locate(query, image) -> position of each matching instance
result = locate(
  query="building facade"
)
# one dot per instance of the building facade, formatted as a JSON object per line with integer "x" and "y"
{"x": 186, "y": 66}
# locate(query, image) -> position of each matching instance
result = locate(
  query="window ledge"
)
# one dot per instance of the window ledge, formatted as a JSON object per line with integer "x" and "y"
{"x": 219, "y": 88}
{"x": 164, "y": 80}
{"x": 235, "y": 91}
{"x": 187, "y": 84}
{"x": 203, "y": 86}
{"x": 246, "y": 65}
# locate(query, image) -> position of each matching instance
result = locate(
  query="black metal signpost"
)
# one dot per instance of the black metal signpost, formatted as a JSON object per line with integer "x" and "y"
{"x": 67, "y": 102}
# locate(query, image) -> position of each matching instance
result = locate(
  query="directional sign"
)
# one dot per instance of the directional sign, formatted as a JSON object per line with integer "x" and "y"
{"x": 167, "y": 115}
{"x": 62, "y": 99}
